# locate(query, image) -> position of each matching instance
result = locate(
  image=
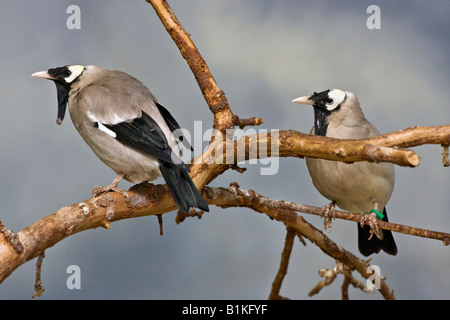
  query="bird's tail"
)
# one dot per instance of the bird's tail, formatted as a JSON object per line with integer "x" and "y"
{"x": 374, "y": 245}
{"x": 183, "y": 190}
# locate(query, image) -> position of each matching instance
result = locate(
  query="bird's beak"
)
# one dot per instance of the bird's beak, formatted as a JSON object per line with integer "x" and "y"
{"x": 62, "y": 91}
{"x": 42, "y": 75}
{"x": 304, "y": 100}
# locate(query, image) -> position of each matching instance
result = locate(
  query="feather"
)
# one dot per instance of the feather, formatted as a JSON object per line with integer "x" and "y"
{"x": 183, "y": 190}
{"x": 173, "y": 125}
{"x": 145, "y": 135}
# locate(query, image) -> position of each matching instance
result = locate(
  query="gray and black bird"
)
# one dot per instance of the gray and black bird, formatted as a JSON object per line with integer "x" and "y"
{"x": 357, "y": 187}
{"x": 126, "y": 127}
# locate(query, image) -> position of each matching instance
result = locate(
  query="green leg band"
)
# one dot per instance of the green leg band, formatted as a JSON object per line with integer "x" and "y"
{"x": 378, "y": 213}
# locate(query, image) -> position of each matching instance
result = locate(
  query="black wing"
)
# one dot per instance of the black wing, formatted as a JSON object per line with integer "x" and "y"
{"x": 173, "y": 125}
{"x": 145, "y": 135}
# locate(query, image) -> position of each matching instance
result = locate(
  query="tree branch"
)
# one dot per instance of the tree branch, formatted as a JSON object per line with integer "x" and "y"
{"x": 234, "y": 197}
{"x": 38, "y": 287}
{"x": 148, "y": 199}
{"x": 330, "y": 275}
{"x": 377, "y": 149}
{"x": 217, "y": 102}
{"x": 282, "y": 271}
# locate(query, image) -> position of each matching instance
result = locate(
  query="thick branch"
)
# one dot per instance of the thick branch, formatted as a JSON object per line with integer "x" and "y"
{"x": 92, "y": 213}
{"x": 224, "y": 152}
{"x": 376, "y": 149}
{"x": 217, "y": 102}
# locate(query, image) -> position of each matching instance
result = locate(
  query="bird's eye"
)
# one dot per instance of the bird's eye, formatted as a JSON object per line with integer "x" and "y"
{"x": 334, "y": 99}
{"x": 67, "y": 73}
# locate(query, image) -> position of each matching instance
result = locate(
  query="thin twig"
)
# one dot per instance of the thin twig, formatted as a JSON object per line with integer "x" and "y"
{"x": 445, "y": 160}
{"x": 330, "y": 275}
{"x": 282, "y": 271}
{"x": 241, "y": 123}
{"x": 291, "y": 206}
{"x": 38, "y": 287}
{"x": 160, "y": 222}
{"x": 344, "y": 288}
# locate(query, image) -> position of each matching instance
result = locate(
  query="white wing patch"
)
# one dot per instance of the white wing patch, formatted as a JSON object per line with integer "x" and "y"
{"x": 104, "y": 129}
{"x": 100, "y": 126}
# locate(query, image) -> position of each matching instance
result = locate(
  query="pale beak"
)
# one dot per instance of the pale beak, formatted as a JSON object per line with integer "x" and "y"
{"x": 43, "y": 75}
{"x": 62, "y": 91}
{"x": 304, "y": 100}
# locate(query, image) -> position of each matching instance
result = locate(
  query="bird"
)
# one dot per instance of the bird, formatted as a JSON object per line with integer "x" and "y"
{"x": 359, "y": 187}
{"x": 126, "y": 127}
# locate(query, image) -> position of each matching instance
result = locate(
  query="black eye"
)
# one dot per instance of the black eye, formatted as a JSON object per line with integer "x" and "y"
{"x": 66, "y": 73}
{"x": 329, "y": 100}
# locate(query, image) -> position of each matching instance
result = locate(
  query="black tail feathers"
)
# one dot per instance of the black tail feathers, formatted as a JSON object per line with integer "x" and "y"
{"x": 374, "y": 245}
{"x": 184, "y": 192}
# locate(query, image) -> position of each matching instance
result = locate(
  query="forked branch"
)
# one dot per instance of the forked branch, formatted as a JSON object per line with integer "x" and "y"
{"x": 221, "y": 155}
{"x": 234, "y": 197}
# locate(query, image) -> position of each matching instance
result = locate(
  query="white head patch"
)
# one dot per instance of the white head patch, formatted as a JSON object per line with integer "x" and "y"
{"x": 335, "y": 98}
{"x": 75, "y": 70}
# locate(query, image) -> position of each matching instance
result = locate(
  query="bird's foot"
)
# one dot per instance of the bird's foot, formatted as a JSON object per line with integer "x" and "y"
{"x": 327, "y": 212}
{"x": 372, "y": 221}
{"x": 98, "y": 191}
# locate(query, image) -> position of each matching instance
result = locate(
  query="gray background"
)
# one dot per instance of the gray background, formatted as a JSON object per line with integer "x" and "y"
{"x": 262, "y": 54}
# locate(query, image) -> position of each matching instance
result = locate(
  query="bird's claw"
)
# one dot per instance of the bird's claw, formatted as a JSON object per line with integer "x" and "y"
{"x": 371, "y": 220}
{"x": 327, "y": 212}
{"x": 98, "y": 191}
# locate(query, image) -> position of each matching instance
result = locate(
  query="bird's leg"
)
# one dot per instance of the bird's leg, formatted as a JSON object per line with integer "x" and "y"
{"x": 327, "y": 212}
{"x": 371, "y": 219}
{"x": 111, "y": 187}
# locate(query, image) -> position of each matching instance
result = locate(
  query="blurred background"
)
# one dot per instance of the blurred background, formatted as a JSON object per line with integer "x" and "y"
{"x": 262, "y": 54}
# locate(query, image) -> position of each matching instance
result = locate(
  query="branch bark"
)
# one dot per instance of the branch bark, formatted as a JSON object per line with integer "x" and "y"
{"x": 282, "y": 271}
{"x": 217, "y": 102}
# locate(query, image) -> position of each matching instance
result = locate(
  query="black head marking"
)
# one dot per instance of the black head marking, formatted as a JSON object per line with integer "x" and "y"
{"x": 320, "y": 99}
{"x": 62, "y": 89}
{"x": 60, "y": 73}
{"x": 320, "y": 112}
{"x": 325, "y": 103}
{"x": 63, "y": 77}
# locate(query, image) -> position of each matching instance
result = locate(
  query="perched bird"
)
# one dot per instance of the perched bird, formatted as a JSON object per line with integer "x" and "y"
{"x": 357, "y": 187}
{"x": 126, "y": 127}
